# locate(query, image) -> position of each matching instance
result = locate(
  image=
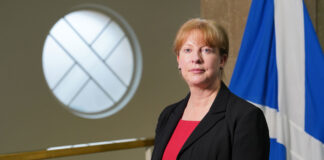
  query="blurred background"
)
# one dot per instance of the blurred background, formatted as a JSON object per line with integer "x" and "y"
{"x": 32, "y": 118}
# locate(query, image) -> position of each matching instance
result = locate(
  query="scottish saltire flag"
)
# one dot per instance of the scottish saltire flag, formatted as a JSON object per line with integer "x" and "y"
{"x": 280, "y": 68}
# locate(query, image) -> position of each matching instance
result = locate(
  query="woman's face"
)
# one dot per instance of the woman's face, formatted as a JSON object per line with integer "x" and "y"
{"x": 200, "y": 64}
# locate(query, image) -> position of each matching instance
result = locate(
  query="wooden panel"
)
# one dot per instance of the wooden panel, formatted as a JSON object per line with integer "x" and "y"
{"x": 232, "y": 15}
{"x": 320, "y": 21}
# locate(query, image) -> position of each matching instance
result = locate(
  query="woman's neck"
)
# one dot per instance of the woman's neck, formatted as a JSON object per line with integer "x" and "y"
{"x": 200, "y": 102}
{"x": 199, "y": 97}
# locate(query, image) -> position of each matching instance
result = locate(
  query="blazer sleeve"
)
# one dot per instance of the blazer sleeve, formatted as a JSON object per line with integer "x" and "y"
{"x": 162, "y": 120}
{"x": 251, "y": 137}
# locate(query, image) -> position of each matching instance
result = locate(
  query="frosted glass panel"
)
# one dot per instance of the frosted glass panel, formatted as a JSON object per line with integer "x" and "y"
{"x": 121, "y": 61}
{"x": 91, "y": 99}
{"x": 108, "y": 81}
{"x": 64, "y": 35}
{"x": 55, "y": 62}
{"x": 70, "y": 85}
{"x": 108, "y": 40}
{"x": 87, "y": 23}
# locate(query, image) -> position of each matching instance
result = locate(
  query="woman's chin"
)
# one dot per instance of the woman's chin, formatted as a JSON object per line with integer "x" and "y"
{"x": 197, "y": 82}
{"x": 201, "y": 82}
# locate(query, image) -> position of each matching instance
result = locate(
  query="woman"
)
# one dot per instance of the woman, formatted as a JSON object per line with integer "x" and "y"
{"x": 211, "y": 122}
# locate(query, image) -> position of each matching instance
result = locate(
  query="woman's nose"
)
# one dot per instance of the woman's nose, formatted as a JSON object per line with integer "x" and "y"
{"x": 197, "y": 57}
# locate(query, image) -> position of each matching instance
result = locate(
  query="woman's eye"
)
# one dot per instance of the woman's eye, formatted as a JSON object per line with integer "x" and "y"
{"x": 187, "y": 50}
{"x": 207, "y": 50}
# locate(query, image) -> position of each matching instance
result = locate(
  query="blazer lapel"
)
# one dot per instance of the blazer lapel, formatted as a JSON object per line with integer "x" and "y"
{"x": 214, "y": 115}
{"x": 172, "y": 122}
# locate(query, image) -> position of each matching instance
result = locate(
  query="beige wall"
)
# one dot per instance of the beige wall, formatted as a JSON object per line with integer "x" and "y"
{"x": 31, "y": 117}
{"x": 233, "y": 15}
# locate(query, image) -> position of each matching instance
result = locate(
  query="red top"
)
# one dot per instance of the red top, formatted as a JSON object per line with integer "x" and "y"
{"x": 178, "y": 138}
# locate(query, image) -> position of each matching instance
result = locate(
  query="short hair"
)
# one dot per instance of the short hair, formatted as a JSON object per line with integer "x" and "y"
{"x": 215, "y": 36}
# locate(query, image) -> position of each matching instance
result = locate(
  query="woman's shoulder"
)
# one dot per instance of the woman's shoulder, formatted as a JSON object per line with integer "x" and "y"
{"x": 238, "y": 107}
{"x": 245, "y": 118}
{"x": 166, "y": 112}
{"x": 170, "y": 108}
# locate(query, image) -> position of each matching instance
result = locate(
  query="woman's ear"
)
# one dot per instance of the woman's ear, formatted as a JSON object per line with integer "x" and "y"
{"x": 223, "y": 60}
{"x": 178, "y": 62}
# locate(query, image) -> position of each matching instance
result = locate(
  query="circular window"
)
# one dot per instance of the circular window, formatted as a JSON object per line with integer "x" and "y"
{"x": 92, "y": 62}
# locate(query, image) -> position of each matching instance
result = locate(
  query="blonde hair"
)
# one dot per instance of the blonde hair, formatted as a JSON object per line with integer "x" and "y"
{"x": 214, "y": 35}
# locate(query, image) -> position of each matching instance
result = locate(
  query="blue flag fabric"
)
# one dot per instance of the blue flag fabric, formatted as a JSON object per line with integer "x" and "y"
{"x": 280, "y": 68}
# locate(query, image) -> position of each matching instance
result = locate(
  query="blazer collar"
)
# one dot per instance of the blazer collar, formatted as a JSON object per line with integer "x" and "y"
{"x": 214, "y": 115}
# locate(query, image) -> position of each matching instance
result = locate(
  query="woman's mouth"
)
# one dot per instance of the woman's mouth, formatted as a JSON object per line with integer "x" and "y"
{"x": 197, "y": 70}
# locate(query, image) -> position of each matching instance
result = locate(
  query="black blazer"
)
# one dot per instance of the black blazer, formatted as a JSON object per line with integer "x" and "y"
{"x": 233, "y": 129}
